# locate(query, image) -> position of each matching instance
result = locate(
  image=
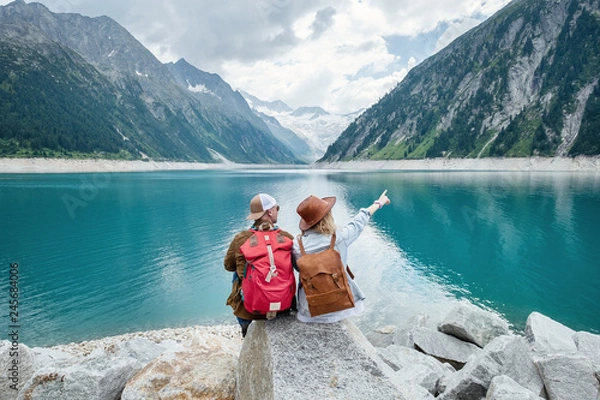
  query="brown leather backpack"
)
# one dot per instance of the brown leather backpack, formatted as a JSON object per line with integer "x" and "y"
{"x": 324, "y": 280}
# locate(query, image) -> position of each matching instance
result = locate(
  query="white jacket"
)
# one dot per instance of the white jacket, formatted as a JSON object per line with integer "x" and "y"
{"x": 314, "y": 242}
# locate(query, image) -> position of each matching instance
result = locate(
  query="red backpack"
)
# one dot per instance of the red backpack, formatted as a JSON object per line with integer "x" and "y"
{"x": 269, "y": 284}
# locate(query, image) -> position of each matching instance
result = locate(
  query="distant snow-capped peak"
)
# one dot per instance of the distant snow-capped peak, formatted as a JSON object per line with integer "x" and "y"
{"x": 313, "y": 124}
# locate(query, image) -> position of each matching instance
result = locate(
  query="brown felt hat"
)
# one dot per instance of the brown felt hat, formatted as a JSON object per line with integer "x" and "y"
{"x": 313, "y": 209}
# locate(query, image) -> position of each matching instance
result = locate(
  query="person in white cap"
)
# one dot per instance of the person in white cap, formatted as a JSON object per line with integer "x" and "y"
{"x": 263, "y": 211}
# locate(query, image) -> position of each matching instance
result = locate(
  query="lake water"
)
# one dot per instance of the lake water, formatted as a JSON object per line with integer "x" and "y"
{"x": 105, "y": 254}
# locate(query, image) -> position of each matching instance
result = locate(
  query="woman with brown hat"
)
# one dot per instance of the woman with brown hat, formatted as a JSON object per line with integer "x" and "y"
{"x": 318, "y": 227}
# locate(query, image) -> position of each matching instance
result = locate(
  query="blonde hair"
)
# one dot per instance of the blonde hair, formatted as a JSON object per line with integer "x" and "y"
{"x": 325, "y": 226}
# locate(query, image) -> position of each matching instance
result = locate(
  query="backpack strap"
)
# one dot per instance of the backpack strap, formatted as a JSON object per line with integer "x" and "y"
{"x": 301, "y": 246}
{"x": 273, "y": 268}
{"x": 332, "y": 244}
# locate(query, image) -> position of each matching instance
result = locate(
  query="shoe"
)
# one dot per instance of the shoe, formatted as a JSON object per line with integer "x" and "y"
{"x": 245, "y": 329}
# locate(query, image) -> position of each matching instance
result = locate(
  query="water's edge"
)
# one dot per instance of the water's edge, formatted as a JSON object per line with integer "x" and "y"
{"x": 54, "y": 165}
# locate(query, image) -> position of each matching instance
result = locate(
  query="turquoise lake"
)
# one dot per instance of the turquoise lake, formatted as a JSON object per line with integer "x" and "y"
{"x": 105, "y": 254}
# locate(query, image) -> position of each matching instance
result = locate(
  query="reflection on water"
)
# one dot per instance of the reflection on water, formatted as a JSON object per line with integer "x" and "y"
{"x": 516, "y": 242}
{"x": 145, "y": 250}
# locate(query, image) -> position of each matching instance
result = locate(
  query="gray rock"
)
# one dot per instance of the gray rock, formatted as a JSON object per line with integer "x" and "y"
{"x": 288, "y": 359}
{"x": 589, "y": 345}
{"x": 18, "y": 365}
{"x": 473, "y": 324}
{"x": 505, "y": 388}
{"x": 399, "y": 357}
{"x": 97, "y": 376}
{"x": 506, "y": 355}
{"x": 403, "y": 335}
{"x": 382, "y": 337}
{"x": 46, "y": 355}
{"x": 444, "y": 347}
{"x": 413, "y": 366}
{"x": 548, "y": 336}
{"x": 569, "y": 377}
{"x": 141, "y": 349}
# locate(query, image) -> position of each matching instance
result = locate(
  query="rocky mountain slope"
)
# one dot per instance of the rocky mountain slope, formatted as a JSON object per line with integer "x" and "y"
{"x": 77, "y": 86}
{"x": 523, "y": 83}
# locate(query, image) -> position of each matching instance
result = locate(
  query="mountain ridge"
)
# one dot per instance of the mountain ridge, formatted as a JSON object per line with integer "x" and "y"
{"x": 150, "y": 113}
{"x": 516, "y": 85}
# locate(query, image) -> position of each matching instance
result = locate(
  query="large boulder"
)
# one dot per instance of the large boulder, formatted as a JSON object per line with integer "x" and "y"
{"x": 588, "y": 345}
{"x": 508, "y": 355}
{"x": 199, "y": 374}
{"x": 548, "y": 336}
{"x": 403, "y": 335}
{"x": 505, "y": 388}
{"x": 287, "y": 359}
{"x": 100, "y": 375}
{"x": 445, "y": 348}
{"x": 17, "y": 361}
{"x": 413, "y": 366}
{"x": 473, "y": 324}
{"x": 100, "y": 369}
{"x": 201, "y": 367}
{"x": 569, "y": 377}
{"x": 97, "y": 376}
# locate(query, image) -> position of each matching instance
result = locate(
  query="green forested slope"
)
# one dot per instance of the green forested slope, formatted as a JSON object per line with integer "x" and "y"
{"x": 523, "y": 83}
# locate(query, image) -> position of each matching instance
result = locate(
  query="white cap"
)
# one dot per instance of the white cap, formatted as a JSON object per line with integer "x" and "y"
{"x": 259, "y": 205}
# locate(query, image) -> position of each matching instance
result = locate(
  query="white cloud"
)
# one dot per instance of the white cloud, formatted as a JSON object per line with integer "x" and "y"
{"x": 311, "y": 52}
{"x": 454, "y": 30}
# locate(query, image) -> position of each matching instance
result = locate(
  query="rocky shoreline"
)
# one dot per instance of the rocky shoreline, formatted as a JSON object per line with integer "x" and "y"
{"x": 142, "y": 365}
{"x": 55, "y": 165}
{"x": 555, "y": 164}
{"x": 472, "y": 354}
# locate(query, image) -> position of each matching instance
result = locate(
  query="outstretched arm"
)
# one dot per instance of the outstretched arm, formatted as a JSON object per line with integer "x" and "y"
{"x": 380, "y": 202}
{"x": 354, "y": 228}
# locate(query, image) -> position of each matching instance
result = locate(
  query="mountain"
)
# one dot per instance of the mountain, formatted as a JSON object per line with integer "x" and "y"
{"x": 313, "y": 125}
{"x": 310, "y": 112}
{"x": 77, "y": 86}
{"x": 299, "y": 146}
{"x": 524, "y": 82}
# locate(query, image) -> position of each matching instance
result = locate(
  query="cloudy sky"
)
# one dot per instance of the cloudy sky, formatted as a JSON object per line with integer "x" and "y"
{"x": 342, "y": 55}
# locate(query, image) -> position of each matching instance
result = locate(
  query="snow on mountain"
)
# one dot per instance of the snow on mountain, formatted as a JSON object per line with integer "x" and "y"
{"x": 313, "y": 124}
{"x": 199, "y": 88}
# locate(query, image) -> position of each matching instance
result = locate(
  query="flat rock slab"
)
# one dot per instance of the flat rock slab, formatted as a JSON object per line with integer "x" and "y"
{"x": 568, "y": 377}
{"x": 505, "y": 388}
{"x": 588, "y": 345}
{"x": 549, "y": 336}
{"x": 473, "y": 324}
{"x": 444, "y": 347}
{"x": 288, "y": 359}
